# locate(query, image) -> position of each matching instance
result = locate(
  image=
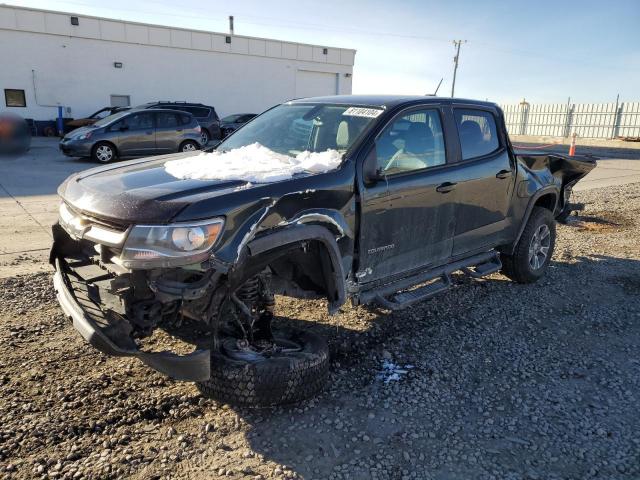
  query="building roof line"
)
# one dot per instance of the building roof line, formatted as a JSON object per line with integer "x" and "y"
{"x": 155, "y": 25}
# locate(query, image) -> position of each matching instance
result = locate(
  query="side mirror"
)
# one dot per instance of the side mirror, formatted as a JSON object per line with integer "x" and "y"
{"x": 371, "y": 174}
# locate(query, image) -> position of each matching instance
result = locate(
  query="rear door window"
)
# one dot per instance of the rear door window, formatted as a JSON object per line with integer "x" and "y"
{"x": 167, "y": 119}
{"x": 199, "y": 112}
{"x": 478, "y": 132}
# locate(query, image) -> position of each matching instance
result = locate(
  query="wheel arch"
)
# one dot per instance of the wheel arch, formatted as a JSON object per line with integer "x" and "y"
{"x": 189, "y": 140}
{"x": 546, "y": 197}
{"x": 314, "y": 239}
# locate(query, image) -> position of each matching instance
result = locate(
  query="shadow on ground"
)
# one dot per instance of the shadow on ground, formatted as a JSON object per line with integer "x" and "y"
{"x": 504, "y": 377}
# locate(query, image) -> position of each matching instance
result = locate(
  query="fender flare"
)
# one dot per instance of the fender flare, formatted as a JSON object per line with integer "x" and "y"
{"x": 532, "y": 201}
{"x": 299, "y": 233}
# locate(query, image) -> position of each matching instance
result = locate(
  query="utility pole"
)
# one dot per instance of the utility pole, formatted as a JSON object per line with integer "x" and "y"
{"x": 456, "y": 44}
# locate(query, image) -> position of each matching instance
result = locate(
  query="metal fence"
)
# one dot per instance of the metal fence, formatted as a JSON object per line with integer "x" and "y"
{"x": 587, "y": 120}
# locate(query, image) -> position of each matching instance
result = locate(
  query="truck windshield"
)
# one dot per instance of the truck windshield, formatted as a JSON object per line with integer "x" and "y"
{"x": 291, "y": 129}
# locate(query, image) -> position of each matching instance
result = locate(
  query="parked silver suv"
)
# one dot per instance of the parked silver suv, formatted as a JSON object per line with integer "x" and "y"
{"x": 134, "y": 133}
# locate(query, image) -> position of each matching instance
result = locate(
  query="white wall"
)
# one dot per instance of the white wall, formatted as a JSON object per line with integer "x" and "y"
{"x": 74, "y": 67}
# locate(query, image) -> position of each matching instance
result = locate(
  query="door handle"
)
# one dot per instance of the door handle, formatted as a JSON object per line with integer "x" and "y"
{"x": 503, "y": 174}
{"x": 179, "y": 130}
{"x": 446, "y": 187}
{"x": 149, "y": 133}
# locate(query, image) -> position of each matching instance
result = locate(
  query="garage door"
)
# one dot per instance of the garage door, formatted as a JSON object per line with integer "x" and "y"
{"x": 315, "y": 84}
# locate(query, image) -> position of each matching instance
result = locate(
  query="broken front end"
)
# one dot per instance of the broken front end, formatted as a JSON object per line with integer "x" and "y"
{"x": 119, "y": 283}
{"x": 122, "y": 283}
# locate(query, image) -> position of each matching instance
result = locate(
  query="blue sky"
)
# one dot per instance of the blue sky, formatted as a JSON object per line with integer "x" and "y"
{"x": 541, "y": 50}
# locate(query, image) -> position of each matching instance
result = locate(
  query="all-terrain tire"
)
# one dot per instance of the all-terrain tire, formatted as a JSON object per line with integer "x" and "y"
{"x": 270, "y": 381}
{"x": 517, "y": 266}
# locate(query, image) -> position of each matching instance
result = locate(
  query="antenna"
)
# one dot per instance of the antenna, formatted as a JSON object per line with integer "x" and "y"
{"x": 436, "y": 92}
{"x": 438, "y": 87}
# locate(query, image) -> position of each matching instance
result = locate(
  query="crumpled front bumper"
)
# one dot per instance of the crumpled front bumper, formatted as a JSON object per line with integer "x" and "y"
{"x": 89, "y": 322}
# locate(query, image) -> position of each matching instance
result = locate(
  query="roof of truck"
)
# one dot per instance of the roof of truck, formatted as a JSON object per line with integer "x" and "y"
{"x": 388, "y": 100}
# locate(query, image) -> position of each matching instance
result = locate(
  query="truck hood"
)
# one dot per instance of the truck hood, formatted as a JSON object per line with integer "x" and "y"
{"x": 139, "y": 191}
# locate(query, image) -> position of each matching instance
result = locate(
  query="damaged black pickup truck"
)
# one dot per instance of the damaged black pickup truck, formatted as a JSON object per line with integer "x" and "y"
{"x": 370, "y": 199}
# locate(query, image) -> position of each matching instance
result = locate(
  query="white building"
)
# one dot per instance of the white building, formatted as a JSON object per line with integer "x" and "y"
{"x": 83, "y": 63}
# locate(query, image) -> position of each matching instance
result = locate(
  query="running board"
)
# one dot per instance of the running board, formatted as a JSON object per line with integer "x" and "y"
{"x": 484, "y": 269}
{"x": 410, "y": 297}
{"x": 396, "y": 296}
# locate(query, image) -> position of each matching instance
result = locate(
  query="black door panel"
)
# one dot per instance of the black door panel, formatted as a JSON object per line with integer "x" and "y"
{"x": 408, "y": 216}
{"x": 484, "y": 184}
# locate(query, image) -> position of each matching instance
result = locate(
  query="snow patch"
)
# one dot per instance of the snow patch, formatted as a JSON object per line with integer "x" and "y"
{"x": 392, "y": 372}
{"x": 252, "y": 163}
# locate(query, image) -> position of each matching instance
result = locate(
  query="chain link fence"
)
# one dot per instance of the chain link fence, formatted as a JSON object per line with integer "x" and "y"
{"x": 587, "y": 120}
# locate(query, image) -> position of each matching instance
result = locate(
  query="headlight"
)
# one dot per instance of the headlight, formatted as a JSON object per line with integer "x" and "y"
{"x": 170, "y": 245}
{"x": 83, "y": 136}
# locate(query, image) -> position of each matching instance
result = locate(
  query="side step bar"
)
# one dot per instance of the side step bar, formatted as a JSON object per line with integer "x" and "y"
{"x": 395, "y": 296}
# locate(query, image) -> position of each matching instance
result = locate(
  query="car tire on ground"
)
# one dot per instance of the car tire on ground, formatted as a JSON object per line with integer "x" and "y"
{"x": 205, "y": 137}
{"x": 103, "y": 152}
{"x": 533, "y": 252}
{"x": 270, "y": 380}
{"x": 189, "y": 146}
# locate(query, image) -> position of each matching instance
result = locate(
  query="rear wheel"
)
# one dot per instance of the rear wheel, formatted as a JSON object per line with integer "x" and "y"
{"x": 103, "y": 152}
{"x": 533, "y": 252}
{"x": 189, "y": 146}
{"x": 205, "y": 137}
{"x": 253, "y": 365}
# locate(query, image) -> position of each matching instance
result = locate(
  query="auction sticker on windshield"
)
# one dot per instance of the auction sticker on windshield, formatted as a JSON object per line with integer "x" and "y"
{"x": 362, "y": 112}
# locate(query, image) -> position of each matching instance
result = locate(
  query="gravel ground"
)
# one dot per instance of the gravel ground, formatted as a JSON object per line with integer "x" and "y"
{"x": 491, "y": 380}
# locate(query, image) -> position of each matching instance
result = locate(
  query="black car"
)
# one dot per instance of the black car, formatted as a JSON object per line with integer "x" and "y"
{"x": 372, "y": 199}
{"x": 231, "y": 123}
{"x": 205, "y": 115}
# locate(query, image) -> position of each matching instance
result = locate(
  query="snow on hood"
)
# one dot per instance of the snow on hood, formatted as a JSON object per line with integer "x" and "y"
{"x": 253, "y": 163}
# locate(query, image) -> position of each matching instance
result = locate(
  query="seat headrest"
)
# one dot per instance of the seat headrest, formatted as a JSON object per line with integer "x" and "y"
{"x": 342, "y": 135}
{"x": 471, "y": 133}
{"x": 419, "y": 138}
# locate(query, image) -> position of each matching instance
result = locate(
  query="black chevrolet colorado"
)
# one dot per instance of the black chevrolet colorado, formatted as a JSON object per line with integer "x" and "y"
{"x": 374, "y": 199}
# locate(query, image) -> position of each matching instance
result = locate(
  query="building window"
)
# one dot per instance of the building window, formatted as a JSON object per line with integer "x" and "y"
{"x": 14, "y": 98}
{"x": 120, "y": 101}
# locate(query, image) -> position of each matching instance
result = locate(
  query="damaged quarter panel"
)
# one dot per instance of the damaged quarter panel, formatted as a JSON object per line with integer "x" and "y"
{"x": 546, "y": 179}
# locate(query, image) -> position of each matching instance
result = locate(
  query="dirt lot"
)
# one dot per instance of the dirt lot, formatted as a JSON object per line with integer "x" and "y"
{"x": 494, "y": 380}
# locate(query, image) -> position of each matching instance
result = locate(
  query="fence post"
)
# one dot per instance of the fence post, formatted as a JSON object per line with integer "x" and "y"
{"x": 569, "y": 119}
{"x": 616, "y": 118}
{"x": 524, "y": 116}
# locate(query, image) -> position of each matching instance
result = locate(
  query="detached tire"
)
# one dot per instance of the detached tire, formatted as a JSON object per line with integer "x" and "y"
{"x": 533, "y": 252}
{"x": 269, "y": 381}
